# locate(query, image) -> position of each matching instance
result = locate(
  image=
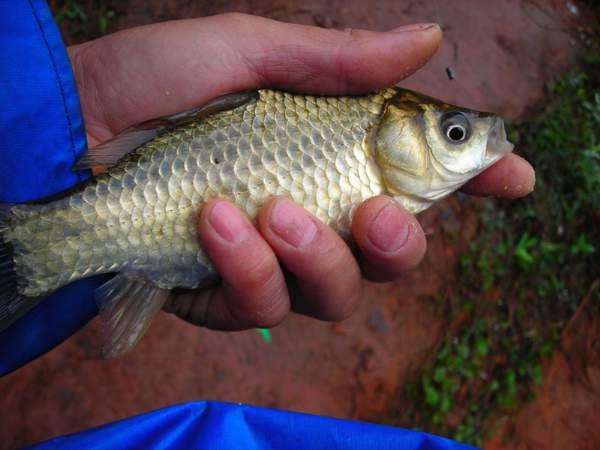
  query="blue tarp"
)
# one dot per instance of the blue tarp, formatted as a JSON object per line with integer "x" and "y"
{"x": 225, "y": 426}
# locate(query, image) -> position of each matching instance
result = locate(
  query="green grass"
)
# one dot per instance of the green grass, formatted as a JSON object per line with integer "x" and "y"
{"x": 522, "y": 279}
{"x": 84, "y": 19}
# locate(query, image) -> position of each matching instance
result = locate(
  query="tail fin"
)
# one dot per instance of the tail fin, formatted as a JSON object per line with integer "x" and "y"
{"x": 12, "y": 304}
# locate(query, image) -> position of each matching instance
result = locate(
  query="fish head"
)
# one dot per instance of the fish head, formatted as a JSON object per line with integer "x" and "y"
{"x": 426, "y": 149}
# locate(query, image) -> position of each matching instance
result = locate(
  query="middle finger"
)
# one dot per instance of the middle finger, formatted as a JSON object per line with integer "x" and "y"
{"x": 326, "y": 275}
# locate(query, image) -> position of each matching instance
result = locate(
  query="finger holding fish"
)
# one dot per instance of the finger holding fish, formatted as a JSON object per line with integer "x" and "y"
{"x": 325, "y": 280}
{"x": 512, "y": 177}
{"x": 390, "y": 240}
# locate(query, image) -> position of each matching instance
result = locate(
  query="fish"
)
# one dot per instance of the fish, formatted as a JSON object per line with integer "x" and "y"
{"x": 137, "y": 219}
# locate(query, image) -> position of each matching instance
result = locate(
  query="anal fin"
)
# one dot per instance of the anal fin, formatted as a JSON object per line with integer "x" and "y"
{"x": 127, "y": 306}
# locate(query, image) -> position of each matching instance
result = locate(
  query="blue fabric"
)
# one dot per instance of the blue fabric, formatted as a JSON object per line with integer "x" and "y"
{"x": 41, "y": 133}
{"x": 42, "y": 127}
{"x": 224, "y": 426}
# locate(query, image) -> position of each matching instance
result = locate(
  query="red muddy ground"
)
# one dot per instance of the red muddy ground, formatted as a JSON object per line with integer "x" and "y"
{"x": 565, "y": 413}
{"x": 502, "y": 56}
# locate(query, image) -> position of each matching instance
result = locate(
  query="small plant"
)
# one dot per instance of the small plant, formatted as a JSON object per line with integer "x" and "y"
{"x": 84, "y": 19}
{"x": 71, "y": 10}
{"x": 524, "y": 276}
{"x": 104, "y": 17}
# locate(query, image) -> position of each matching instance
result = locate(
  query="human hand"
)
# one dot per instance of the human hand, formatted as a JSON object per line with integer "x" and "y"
{"x": 161, "y": 69}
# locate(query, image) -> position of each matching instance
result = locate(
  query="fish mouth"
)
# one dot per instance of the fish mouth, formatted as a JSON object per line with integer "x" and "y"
{"x": 498, "y": 144}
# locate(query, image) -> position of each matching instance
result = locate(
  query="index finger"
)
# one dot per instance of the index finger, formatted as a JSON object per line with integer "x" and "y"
{"x": 511, "y": 177}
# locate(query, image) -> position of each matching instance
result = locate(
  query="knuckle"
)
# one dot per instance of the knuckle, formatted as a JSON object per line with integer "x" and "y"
{"x": 338, "y": 281}
{"x": 349, "y": 300}
{"x": 341, "y": 66}
{"x": 258, "y": 273}
{"x": 329, "y": 262}
{"x": 89, "y": 62}
{"x": 83, "y": 67}
{"x": 263, "y": 304}
{"x": 271, "y": 313}
{"x": 334, "y": 257}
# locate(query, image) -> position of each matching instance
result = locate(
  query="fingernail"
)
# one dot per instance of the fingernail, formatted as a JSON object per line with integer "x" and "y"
{"x": 390, "y": 229}
{"x": 229, "y": 223}
{"x": 531, "y": 186}
{"x": 292, "y": 224}
{"x": 414, "y": 27}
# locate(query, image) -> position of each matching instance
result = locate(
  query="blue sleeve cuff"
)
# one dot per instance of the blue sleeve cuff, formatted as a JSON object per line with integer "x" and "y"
{"x": 41, "y": 131}
{"x": 41, "y": 135}
{"x": 227, "y": 426}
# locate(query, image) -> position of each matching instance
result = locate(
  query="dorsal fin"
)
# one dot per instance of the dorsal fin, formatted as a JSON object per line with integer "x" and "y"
{"x": 112, "y": 151}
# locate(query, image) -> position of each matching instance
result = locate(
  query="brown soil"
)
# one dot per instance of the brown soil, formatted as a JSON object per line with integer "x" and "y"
{"x": 502, "y": 56}
{"x": 564, "y": 413}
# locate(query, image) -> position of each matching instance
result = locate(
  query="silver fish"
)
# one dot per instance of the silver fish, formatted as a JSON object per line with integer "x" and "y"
{"x": 328, "y": 154}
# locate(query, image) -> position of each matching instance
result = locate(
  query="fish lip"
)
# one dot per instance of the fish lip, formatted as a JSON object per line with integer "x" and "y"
{"x": 498, "y": 144}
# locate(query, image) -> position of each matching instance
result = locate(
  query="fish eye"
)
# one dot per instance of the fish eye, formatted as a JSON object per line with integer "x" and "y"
{"x": 456, "y": 127}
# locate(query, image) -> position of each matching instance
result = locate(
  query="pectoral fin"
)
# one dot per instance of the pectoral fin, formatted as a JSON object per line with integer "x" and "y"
{"x": 127, "y": 306}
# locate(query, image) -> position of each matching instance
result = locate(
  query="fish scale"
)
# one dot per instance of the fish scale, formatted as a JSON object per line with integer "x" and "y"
{"x": 310, "y": 149}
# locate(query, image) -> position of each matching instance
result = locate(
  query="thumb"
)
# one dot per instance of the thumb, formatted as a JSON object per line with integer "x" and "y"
{"x": 161, "y": 69}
